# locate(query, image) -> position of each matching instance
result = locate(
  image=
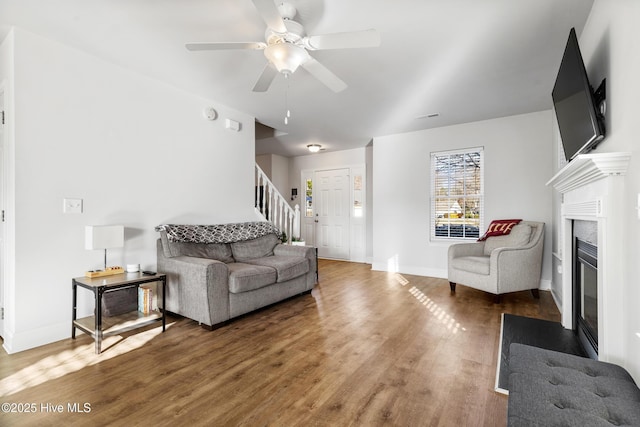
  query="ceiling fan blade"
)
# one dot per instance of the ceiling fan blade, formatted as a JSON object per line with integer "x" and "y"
{"x": 225, "y": 46}
{"x": 354, "y": 39}
{"x": 264, "y": 81}
{"x": 323, "y": 74}
{"x": 269, "y": 13}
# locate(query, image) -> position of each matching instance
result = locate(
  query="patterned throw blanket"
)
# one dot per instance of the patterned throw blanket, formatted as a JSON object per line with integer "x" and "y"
{"x": 219, "y": 233}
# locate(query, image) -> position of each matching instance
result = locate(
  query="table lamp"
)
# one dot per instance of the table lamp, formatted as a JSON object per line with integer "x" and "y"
{"x": 103, "y": 237}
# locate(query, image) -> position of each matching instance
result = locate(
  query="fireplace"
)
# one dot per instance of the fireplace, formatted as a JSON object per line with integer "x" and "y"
{"x": 585, "y": 301}
{"x": 590, "y": 189}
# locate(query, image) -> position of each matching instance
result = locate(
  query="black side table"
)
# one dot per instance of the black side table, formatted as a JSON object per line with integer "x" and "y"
{"x": 96, "y": 326}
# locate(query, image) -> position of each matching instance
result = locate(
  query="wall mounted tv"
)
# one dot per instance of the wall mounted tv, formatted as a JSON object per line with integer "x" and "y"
{"x": 580, "y": 122}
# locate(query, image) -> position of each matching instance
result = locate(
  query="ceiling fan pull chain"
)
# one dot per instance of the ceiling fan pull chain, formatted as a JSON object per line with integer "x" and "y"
{"x": 286, "y": 100}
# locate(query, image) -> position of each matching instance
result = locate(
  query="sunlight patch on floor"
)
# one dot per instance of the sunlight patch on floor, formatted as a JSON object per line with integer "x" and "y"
{"x": 68, "y": 361}
{"x": 449, "y": 322}
{"x": 401, "y": 279}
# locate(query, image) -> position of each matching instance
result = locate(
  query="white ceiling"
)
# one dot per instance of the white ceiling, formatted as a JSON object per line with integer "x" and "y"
{"x": 467, "y": 60}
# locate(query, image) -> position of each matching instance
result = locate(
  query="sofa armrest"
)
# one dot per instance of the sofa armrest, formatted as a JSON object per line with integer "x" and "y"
{"x": 466, "y": 249}
{"x": 197, "y": 288}
{"x": 308, "y": 252}
{"x": 292, "y": 250}
{"x": 518, "y": 268}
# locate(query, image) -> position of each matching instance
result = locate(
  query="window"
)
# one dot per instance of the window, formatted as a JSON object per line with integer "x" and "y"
{"x": 457, "y": 194}
{"x": 357, "y": 196}
{"x": 308, "y": 198}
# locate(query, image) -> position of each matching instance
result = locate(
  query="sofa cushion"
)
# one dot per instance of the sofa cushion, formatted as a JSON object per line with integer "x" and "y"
{"x": 217, "y": 251}
{"x": 247, "y": 277}
{"x": 254, "y": 248}
{"x": 287, "y": 267}
{"x": 519, "y": 236}
{"x": 473, "y": 264}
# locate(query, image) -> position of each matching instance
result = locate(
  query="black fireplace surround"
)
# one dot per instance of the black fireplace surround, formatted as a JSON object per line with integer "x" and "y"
{"x": 585, "y": 295}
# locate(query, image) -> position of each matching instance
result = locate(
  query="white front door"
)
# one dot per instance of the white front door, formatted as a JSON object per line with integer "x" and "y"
{"x": 331, "y": 207}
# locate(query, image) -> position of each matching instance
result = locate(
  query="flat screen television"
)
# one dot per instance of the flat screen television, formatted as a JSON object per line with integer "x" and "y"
{"x": 581, "y": 126}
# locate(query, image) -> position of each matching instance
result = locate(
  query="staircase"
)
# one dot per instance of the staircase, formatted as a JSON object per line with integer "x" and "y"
{"x": 273, "y": 207}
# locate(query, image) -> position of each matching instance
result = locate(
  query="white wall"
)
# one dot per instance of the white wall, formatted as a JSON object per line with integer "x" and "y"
{"x": 321, "y": 161}
{"x": 280, "y": 175}
{"x": 518, "y": 163}
{"x": 609, "y": 48}
{"x": 138, "y": 152}
{"x": 264, "y": 161}
{"x": 276, "y": 168}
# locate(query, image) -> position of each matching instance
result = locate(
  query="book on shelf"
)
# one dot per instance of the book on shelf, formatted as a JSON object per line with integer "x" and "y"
{"x": 147, "y": 300}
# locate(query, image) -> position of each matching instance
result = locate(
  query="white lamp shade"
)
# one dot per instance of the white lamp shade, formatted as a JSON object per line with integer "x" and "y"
{"x": 103, "y": 236}
{"x": 286, "y": 57}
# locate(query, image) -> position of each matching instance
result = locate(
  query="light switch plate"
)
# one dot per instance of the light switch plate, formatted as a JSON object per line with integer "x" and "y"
{"x": 72, "y": 206}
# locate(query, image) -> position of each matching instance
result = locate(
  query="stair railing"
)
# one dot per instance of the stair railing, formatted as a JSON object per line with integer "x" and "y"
{"x": 273, "y": 207}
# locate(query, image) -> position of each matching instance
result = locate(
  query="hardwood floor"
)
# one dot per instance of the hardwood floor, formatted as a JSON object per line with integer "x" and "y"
{"x": 364, "y": 348}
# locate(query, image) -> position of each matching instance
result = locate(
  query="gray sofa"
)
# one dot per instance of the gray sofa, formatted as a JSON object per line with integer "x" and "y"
{"x": 548, "y": 388}
{"x": 218, "y": 272}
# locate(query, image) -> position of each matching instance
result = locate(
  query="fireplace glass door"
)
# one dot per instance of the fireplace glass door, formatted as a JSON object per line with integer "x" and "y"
{"x": 587, "y": 294}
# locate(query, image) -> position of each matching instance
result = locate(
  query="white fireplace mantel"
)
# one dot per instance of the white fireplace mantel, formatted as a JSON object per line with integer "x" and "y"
{"x": 587, "y": 168}
{"x": 591, "y": 187}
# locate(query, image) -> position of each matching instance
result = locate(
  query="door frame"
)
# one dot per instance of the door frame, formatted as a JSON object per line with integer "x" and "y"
{"x": 357, "y": 222}
{"x": 4, "y": 261}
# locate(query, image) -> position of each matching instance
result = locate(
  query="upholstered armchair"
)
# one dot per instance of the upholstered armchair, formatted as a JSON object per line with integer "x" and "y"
{"x": 500, "y": 264}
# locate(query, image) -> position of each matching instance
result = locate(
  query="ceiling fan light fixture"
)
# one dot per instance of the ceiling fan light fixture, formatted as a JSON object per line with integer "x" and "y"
{"x": 286, "y": 57}
{"x": 314, "y": 148}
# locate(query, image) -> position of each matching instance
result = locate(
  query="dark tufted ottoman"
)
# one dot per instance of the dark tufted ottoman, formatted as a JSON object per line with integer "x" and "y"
{"x": 547, "y": 388}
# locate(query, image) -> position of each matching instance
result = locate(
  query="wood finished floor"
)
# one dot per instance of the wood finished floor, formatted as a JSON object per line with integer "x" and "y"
{"x": 365, "y": 348}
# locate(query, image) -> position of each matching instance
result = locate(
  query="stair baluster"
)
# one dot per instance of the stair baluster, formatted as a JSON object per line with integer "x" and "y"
{"x": 271, "y": 206}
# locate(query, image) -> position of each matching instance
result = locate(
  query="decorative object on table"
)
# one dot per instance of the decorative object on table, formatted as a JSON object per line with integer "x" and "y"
{"x": 147, "y": 300}
{"x": 133, "y": 268}
{"x": 108, "y": 271}
{"x": 296, "y": 241}
{"x": 104, "y": 237}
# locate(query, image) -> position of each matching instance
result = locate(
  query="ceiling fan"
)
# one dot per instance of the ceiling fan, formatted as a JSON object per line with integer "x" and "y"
{"x": 286, "y": 46}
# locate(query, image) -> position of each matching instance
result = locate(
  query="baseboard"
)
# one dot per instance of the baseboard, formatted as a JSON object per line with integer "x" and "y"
{"x": 545, "y": 285}
{"x": 15, "y": 342}
{"x": 556, "y": 301}
{"x": 497, "y": 387}
{"x": 410, "y": 269}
